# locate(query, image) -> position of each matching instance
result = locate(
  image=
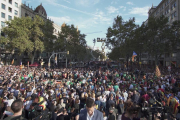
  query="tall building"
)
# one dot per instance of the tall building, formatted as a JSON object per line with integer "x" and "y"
{"x": 170, "y": 9}
{"x": 9, "y": 9}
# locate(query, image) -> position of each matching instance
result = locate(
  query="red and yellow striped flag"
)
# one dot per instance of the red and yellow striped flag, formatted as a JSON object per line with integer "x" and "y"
{"x": 158, "y": 72}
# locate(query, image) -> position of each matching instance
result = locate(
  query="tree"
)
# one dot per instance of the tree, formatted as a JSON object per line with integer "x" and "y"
{"x": 72, "y": 40}
{"x": 36, "y": 37}
{"x": 24, "y": 35}
{"x": 48, "y": 37}
{"x": 159, "y": 37}
{"x": 121, "y": 36}
{"x": 17, "y": 35}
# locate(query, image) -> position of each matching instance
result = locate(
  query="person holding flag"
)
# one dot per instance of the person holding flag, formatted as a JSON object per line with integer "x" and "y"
{"x": 133, "y": 56}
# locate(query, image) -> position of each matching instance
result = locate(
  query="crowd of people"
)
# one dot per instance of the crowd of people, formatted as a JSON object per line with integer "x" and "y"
{"x": 87, "y": 94}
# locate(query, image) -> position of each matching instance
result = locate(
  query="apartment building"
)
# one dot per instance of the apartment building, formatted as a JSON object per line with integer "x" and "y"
{"x": 168, "y": 8}
{"x": 9, "y": 9}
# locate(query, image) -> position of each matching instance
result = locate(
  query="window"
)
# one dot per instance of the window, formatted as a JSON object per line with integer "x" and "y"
{"x": 172, "y": 6}
{"x": 168, "y": 18}
{"x": 175, "y": 14}
{"x": 157, "y": 12}
{"x": 2, "y": 24}
{"x": 2, "y": 15}
{"x": 26, "y": 15}
{"x": 15, "y": 12}
{"x": 3, "y": 6}
{"x": 175, "y": 4}
{"x": 172, "y": 16}
{"x": 9, "y": 17}
{"x": 10, "y": 1}
{"x": 16, "y": 4}
{"x": 10, "y": 9}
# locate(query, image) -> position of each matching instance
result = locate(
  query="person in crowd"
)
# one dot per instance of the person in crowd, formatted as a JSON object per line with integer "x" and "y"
{"x": 17, "y": 108}
{"x": 90, "y": 113}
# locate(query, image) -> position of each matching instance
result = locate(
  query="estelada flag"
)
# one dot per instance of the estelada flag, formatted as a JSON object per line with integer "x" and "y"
{"x": 158, "y": 72}
{"x": 12, "y": 62}
{"x": 133, "y": 56}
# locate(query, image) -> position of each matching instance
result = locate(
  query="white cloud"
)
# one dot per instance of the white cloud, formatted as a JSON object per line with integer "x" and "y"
{"x": 111, "y": 9}
{"x": 115, "y": 1}
{"x": 66, "y": 1}
{"x": 94, "y": 19}
{"x": 123, "y": 7}
{"x": 129, "y": 3}
{"x": 140, "y": 11}
{"x": 101, "y": 17}
{"x": 60, "y": 20}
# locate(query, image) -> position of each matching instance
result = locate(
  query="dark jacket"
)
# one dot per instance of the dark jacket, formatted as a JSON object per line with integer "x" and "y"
{"x": 97, "y": 115}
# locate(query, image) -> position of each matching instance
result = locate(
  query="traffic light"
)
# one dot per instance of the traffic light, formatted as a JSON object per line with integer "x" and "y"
{"x": 94, "y": 41}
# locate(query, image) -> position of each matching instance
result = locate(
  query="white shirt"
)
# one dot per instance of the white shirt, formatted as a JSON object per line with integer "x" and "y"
{"x": 125, "y": 96}
{"x": 90, "y": 117}
{"x": 103, "y": 99}
{"x": 9, "y": 102}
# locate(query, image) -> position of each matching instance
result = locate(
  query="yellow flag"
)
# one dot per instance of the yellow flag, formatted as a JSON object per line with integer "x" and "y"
{"x": 12, "y": 62}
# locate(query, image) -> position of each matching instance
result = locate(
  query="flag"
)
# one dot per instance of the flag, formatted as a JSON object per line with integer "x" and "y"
{"x": 55, "y": 59}
{"x": 133, "y": 56}
{"x": 12, "y": 62}
{"x": 158, "y": 73}
{"x": 20, "y": 65}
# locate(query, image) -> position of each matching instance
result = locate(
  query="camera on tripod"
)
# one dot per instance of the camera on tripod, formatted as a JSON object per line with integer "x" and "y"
{"x": 156, "y": 109}
{"x": 37, "y": 113}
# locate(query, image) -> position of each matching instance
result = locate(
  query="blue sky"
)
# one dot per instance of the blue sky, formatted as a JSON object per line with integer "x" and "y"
{"x": 94, "y": 15}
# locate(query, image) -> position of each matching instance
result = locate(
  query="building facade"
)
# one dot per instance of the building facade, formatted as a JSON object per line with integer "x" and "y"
{"x": 9, "y": 9}
{"x": 168, "y": 8}
{"x": 171, "y": 10}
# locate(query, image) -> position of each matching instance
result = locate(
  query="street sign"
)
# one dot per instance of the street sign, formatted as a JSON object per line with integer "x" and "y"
{"x": 169, "y": 68}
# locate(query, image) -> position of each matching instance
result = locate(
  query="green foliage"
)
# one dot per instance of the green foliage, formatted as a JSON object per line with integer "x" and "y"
{"x": 155, "y": 38}
{"x": 24, "y": 35}
{"x": 70, "y": 39}
{"x": 158, "y": 36}
{"x": 120, "y": 37}
{"x": 18, "y": 35}
{"x": 48, "y": 37}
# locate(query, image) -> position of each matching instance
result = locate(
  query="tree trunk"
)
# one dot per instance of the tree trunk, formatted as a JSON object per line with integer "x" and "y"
{"x": 156, "y": 60}
{"x": 33, "y": 56}
{"x": 18, "y": 59}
